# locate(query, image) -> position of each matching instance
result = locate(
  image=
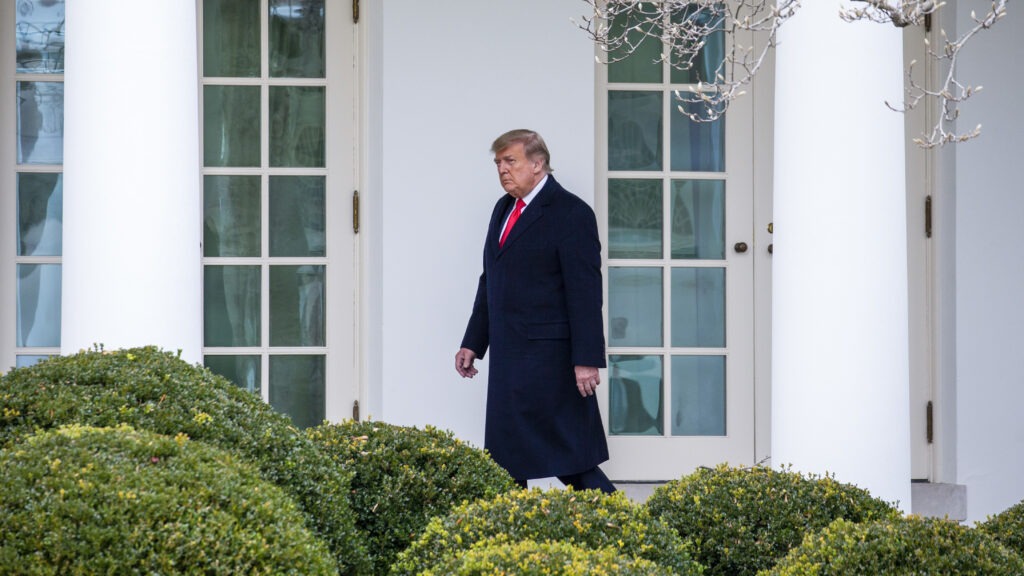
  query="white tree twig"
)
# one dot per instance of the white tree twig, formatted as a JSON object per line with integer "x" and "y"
{"x": 684, "y": 29}
{"x": 950, "y": 94}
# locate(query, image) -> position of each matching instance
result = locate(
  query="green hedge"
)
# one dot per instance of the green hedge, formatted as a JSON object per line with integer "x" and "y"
{"x": 83, "y": 500}
{"x": 742, "y": 520}
{"x": 157, "y": 391}
{"x": 1007, "y": 527}
{"x": 588, "y": 518}
{"x": 910, "y": 546}
{"x": 530, "y": 558}
{"x": 404, "y": 476}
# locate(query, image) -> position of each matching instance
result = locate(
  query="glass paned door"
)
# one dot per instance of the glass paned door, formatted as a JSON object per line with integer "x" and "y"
{"x": 278, "y": 244}
{"x": 676, "y": 203}
{"x": 32, "y": 212}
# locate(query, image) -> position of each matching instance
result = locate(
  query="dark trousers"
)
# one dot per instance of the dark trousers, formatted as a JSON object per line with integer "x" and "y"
{"x": 593, "y": 479}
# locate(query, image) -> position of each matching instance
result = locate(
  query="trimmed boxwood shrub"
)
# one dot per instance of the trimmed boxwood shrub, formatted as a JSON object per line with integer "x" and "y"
{"x": 1007, "y": 527}
{"x": 81, "y": 500}
{"x": 154, "y": 390}
{"x": 587, "y": 518}
{"x": 742, "y": 520}
{"x": 404, "y": 476}
{"x": 911, "y": 546}
{"x": 530, "y": 558}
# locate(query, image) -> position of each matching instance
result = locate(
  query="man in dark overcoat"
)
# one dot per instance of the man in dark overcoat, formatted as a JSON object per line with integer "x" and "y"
{"x": 538, "y": 309}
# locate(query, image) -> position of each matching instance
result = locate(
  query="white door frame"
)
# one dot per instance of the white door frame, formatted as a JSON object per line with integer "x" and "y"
{"x": 749, "y": 138}
{"x": 342, "y": 314}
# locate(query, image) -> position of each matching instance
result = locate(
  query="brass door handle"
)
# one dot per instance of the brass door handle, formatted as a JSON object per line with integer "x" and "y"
{"x": 740, "y": 247}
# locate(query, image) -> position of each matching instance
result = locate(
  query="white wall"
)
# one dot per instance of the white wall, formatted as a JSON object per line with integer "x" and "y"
{"x": 990, "y": 269}
{"x": 488, "y": 67}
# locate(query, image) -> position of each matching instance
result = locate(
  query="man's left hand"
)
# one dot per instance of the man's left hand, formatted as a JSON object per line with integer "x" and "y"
{"x": 587, "y": 379}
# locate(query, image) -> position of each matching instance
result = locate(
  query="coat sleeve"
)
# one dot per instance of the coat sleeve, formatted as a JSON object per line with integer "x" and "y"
{"x": 580, "y": 259}
{"x": 478, "y": 331}
{"x": 477, "y": 334}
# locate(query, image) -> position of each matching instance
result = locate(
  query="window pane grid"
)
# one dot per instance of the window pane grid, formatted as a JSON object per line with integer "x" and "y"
{"x": 37, "y": 201}
{"x": 673, "y": 387}
{"x": 273, "y": 188}
{"x": 641, "y": 67}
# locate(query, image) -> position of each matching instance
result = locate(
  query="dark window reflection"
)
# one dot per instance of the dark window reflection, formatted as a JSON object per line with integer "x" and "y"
{"x": 39, "y": 36}
{"x": 297, "y": 388}
{"x": 297, "y": 38}
{"x": 40, "y": 214}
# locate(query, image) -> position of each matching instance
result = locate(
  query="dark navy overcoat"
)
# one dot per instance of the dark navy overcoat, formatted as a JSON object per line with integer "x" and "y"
{"x": 538, "y": 310}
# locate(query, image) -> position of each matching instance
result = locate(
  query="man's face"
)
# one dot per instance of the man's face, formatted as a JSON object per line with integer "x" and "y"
{"x": 518, "y": 173}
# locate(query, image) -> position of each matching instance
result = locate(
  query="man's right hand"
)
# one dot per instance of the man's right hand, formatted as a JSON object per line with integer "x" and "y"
{"x": 464, "y": 363}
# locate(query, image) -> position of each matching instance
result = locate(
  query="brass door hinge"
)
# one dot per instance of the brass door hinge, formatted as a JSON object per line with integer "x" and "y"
{"x": 355, "y": 11}
{"x": 355, "y": 211}
{"x": 928, "y": 216}
{"x": 355, "y": 411}
{"x": 929, "y": 422}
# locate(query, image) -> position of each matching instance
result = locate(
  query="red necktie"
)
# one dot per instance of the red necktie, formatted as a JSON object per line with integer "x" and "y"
{"x": 512, "y": 220}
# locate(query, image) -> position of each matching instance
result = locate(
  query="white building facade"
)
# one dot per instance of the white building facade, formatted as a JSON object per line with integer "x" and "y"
{"x": 295, "y": 193}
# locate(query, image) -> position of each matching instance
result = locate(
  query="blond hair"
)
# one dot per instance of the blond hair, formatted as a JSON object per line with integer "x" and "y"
{"x": 533, "y": 145}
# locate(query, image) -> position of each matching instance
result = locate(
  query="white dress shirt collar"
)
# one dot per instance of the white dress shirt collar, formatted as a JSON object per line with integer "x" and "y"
{"x": 533, "y": 193}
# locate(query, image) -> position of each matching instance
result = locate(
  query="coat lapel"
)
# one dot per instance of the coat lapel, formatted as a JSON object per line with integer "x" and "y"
{"x": 533, "y": 213}
{"x": 501, "y": 210}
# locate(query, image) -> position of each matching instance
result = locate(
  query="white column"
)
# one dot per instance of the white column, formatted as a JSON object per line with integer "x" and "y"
{"x": 131, "y": 256}
{"x": 840, "y": 390}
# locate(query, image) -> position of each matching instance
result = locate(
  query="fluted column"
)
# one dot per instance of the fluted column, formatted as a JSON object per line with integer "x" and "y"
{"x": 131, "y": 252}
{"x": 840, "y": 389}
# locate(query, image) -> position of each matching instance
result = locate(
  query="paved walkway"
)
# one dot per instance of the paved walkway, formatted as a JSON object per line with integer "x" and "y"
{"x": 638, "y": 491}
{"x": 927, "y": 499}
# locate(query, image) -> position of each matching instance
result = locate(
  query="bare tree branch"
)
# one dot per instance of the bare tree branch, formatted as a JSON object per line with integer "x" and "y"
{"x": 900, "y": 13}
{"x": 683, "y": 30}
{"x": 951, "y": 93}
